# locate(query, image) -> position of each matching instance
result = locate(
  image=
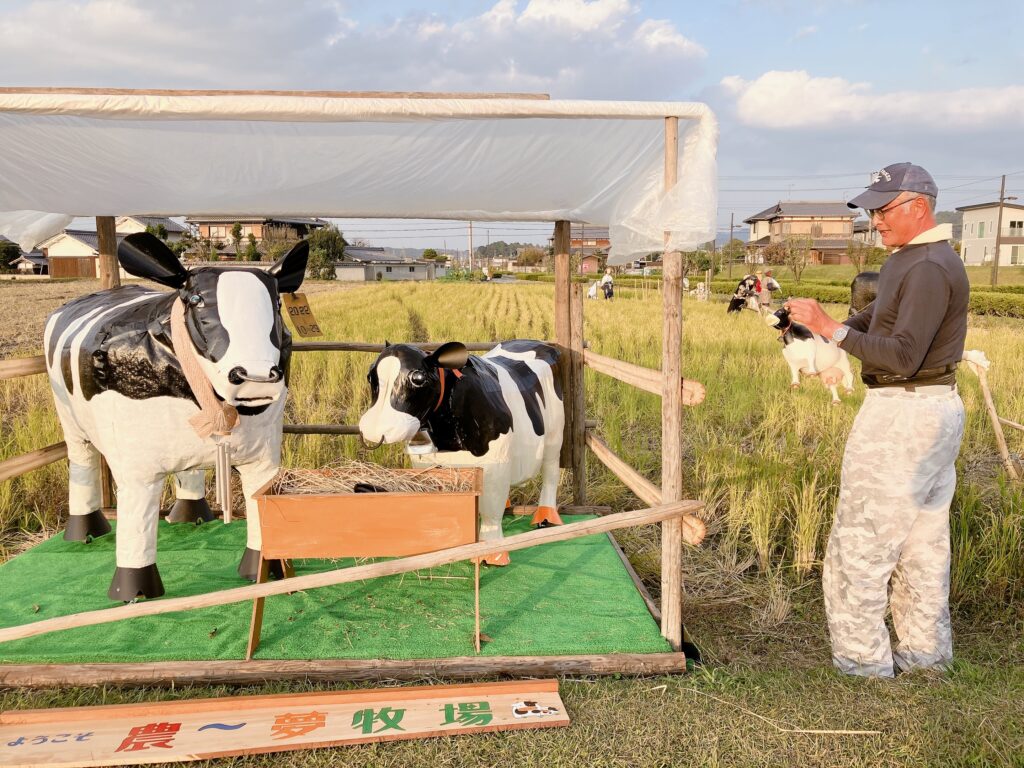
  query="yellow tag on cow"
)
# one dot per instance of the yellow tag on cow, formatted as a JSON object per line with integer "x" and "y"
{"x": 301, "y": 315}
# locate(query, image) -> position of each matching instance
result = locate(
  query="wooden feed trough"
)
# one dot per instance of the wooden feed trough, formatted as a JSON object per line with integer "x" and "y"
{"x": 297, "y": 524}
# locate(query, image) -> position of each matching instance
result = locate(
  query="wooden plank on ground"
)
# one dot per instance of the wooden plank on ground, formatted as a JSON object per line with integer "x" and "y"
{"x": 231, "y": 672}
{"x": 202, "y": 729}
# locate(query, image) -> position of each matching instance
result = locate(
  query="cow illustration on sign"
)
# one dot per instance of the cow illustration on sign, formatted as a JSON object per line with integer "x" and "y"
{"x": 120, "y": 390}
{"x": 501, "y": 412}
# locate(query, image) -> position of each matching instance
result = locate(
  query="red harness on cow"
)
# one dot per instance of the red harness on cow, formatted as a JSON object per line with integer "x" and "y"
{"x": 444, "y": 375}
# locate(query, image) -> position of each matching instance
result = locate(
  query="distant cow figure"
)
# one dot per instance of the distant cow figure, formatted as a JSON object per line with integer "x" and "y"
{"x": 745, "y": 296}
{"x": 120, "y": 391}
{"x": 863, "y": 290}
{"x": 501, "y": 412}
{"x": 811, "y": 353}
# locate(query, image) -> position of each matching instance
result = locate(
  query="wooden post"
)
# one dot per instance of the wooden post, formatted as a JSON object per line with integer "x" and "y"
{"x": 110, "y": 273}
{"x": 577, "y": 397}
{"x": 671, "y": 417}
{"x": 110, "y": 277}
{"x": 990, "y": 406}
{"x": 563, "y": 325}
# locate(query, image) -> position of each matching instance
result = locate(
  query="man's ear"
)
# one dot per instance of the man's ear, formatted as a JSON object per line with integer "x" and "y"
{"x": 450, "y": 355}
{"x": 290, "y": 269}
{"x": 145, "y": 255}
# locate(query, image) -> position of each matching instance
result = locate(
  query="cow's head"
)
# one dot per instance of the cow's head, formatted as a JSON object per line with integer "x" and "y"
{"x": 779, "y": 320}
{"x": 232, "y": 315}
{"x": 405, "y": 386}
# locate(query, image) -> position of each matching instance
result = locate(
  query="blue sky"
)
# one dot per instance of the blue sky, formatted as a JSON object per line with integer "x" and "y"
{"x": 811, "y": 96}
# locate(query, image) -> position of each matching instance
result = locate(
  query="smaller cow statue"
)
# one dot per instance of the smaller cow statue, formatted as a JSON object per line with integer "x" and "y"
{"x": 121, "y": 389}
{"x": 812, "y": 354}
{"x": 502, "y": 412}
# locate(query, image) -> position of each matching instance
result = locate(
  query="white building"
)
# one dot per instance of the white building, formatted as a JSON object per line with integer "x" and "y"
{"x": 978, "y": 239}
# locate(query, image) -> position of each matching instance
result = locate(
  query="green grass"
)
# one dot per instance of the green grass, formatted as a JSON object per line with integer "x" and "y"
{"x": 766, "y": 462}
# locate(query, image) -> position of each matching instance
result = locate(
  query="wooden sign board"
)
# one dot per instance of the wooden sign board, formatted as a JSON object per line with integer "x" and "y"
{"x": 301, "y": 315}
{"x": 201, "y": 729}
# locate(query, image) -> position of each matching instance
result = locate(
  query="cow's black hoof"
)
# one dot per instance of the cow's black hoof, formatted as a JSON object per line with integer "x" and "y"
{"x": 248, "y": 568}
{"x": 190, "y": 511}
{"x": 129, "y": 583}
{"x": 85, "y": 527}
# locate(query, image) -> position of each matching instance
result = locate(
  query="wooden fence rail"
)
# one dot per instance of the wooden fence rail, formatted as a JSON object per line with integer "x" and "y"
{"x": 22, "y": 366}
{"x": 26, "y": 462}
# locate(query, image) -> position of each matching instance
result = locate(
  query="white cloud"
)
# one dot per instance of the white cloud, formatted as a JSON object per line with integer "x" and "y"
{"x": 805, "y": 32}
{"x": 659, "y": 34}
{"x": 569, "y": 48}
{"x": 795, "y": 99}
{"x": 577, "y": 15}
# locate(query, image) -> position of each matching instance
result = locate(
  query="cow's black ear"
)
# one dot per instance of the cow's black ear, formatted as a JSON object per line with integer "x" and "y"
{"x": 451, "y": 355}
{"x": 146, "y": 255}
{"x": 291, "y": 268}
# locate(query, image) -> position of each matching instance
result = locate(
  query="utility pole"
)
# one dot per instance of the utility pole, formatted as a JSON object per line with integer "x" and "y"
{"x": 471, "y": 246}
{"x": 731, "y": 215}
{"x": 999, "y": 230}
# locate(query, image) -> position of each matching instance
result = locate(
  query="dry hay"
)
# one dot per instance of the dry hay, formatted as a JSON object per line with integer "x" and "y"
{"x": 343, "y": 475}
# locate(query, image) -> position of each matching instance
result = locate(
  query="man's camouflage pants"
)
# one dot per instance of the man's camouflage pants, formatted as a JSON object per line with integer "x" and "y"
{"x": 892, "y": 522}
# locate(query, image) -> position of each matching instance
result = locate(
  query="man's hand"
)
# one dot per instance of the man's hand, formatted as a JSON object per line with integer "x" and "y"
{"x": 809, "y": 312}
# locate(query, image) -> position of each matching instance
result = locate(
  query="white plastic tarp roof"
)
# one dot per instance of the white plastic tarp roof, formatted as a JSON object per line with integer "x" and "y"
{"x": 502, "y": 159}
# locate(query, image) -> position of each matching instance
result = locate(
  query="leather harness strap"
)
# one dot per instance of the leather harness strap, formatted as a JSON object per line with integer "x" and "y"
{"x": 444, "y": 375}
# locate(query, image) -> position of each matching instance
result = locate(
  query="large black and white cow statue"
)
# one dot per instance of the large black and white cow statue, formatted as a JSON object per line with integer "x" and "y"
{"x": 812, "y": 354}
{"x": 120, "y": 391}
{"x": 501, "y": 412}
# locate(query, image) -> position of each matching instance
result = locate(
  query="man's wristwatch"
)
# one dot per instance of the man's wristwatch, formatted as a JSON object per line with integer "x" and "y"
{"x": 839, "y": 334}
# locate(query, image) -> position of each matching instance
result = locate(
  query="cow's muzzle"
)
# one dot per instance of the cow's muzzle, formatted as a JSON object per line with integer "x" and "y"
{"x": 238, "y": 375}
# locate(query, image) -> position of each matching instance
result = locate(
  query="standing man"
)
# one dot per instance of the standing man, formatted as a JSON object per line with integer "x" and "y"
{"x": 898, "y": 474}
{"x": 768, "y": 286}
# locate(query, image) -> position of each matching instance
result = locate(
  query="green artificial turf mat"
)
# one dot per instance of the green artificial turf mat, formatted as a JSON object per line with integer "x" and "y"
{"x": 570, "y": 597}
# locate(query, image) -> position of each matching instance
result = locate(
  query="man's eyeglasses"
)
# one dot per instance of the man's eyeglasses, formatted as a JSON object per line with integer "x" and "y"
{"x": 880, "y": 212}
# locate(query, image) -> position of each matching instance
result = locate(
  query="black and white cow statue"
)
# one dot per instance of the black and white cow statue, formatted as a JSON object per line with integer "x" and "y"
{"x": 812, "y": 354}
{"x": 501, "y": 412}
{"x": 120, "y": 391}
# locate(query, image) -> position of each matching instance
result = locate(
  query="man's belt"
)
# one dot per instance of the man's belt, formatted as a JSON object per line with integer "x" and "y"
{"x": 926, "y": 377}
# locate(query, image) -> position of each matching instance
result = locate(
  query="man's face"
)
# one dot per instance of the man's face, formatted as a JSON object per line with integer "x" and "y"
{"x": 901, "y": 221}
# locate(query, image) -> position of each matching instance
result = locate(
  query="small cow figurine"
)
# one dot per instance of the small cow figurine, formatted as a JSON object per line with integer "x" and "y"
{"x": 501, "y": 412}
{"x": 120, "y": 391}
{"x": 811, "y": 353}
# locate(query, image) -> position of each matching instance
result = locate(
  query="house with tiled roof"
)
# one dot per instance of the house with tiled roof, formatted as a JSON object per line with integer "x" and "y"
{"x": 75, "y": 251}
{"x": 828, "y": 225}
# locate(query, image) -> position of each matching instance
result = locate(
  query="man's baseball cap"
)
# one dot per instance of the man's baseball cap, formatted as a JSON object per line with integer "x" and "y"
{"x": 887, "y": 184}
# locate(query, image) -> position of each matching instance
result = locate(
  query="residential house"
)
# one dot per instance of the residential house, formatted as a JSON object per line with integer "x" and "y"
{"x": 33, "y": 263}
{"x": 978, "y": 236}
{"x": 828, "y": 225}
{"x": 128, "y": 225}
{"x": 587, "y": 240}
{"x": 218, "y": 229}
{"x": 75, "y": 252}
{"x": 864, "y": 233}
{"x": 367, "y": 264}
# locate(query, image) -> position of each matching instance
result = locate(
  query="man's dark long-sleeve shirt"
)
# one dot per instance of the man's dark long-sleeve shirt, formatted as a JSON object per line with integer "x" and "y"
{"x": 919, "y": 318}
